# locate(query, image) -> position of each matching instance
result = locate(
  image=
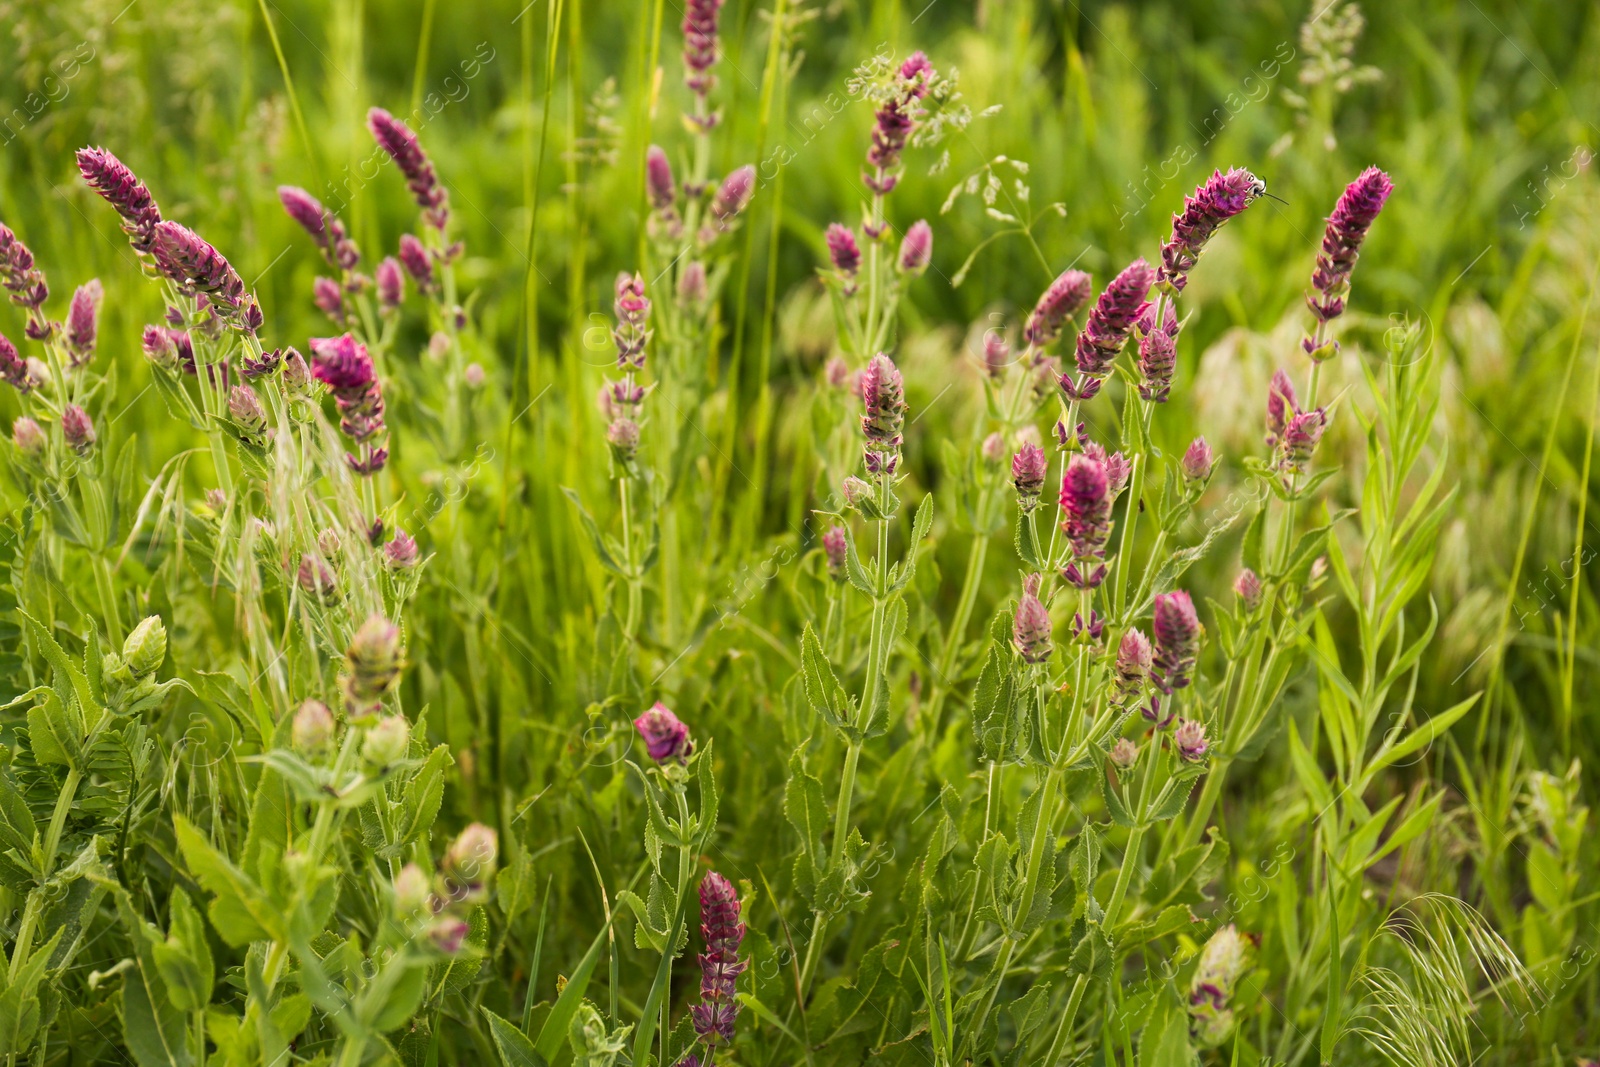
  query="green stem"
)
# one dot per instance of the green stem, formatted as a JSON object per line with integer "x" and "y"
{"x": 1130, "y": 855}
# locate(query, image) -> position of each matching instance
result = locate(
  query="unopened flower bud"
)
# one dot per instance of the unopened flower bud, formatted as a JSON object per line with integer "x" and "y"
{"x": 856, "y": 490}
{"x": 837, "y": 372}
{"x": 468, "y": 865}
{"x": 417, "y": 262}
{"x": 916, "y": 250}
{"x": 78, "y": 429}
{"x": 245, "y": 407}
{"x": 1134, "y": 657}
{"x": 1247, "y": 587}
{"x": 996, "y": 353}
{"x": 391, "y": 282}
{"x": 665, "y": 735}
{"x": 400, "y": 554}
{"x": 836, "y": 547}
{"x": 994, "y": 448}
{"x": 82, "y": 321}
{"x": 312, "y": 732}
{"x": 473, "y": 375}
{"x": 317, "y": 579}
{"x": 1028, "y": 470}
{"x": 1198, "y": 461}
{"x": 734, "y": 194}
{"x": 1031, "y": 626}
{"x": 28, "y": 436}
{"x": 329, "y": 298}
{"x": 1124, "y": 753}
{"x": 658, "y": 176}
{"x": 1177, "y": 629}
{"x": 372, "y": 663}
{"x": 145, "y": 647}
{"x": 692, "y": 285}
{"x": 623, "y": 437}
{"x": 843, "y": 251}
{"x": 411, "y": 891}
{"x": 1190, "y": 740}
{"x": 386, "y": 741}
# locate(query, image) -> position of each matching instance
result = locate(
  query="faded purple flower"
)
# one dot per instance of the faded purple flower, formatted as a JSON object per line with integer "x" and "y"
{"x": 1124, "y": 754}
{"x": 28, "y": 436}
{"x": 1352, "y": 216}
{"x": 916, "y": 249}
{"x": 1063, "y": 299}
{"x": 1086, "y": 506}
{"x": 77, "y": 429}
{"x": 665, "y": 736}
{"x": 1218, "y": 199}
{"x": 106, "y": 175}
{"x": 1177, "y": 629}
{"x": 1190, "y": 740}
{"x": 396, "y": 138}
{"x": 1030, "y": 627}
{"x": 720, "y": 966}
{"x": 83, "y": 321}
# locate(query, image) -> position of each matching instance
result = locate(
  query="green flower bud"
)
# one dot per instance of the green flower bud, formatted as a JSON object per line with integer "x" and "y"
{"x": 386, "y": 741}
{"x": 146, "y": 647}
{"x": 313, "y": 728}
{"x": 411, "y": 891}
{"x": 372, "y": 664}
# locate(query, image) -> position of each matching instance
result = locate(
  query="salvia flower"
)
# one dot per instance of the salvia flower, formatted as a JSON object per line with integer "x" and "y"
{"x": 1132, "y": 667}
{"x": 1247, "y": 587}
{"x": 734, "y": 194}
{"x": 1112, "y": 318}
{"x": 400, "y": 552}
{"x": 411, "y": 891}
{"x": 108, "y": 176}
{"x": 1177, "y": 630}
{"x": 1223, "y": 961}
{"x": 322, "y": 225}
{"x": 658, "y": 179}
{"x": 623, "y": 437}
{"x": 77, "y": 429}
{"x": 83, "y": 321}
{"x": 329, "y": 298}
{"x": 1158, "y": 354}
{"x": 1063, "y": 299}
{"x": 414, "y": 256}
{"x": 386, "y": 741}
{"x": 1030, "y": 627}
{"x": 1124, "y": 753}
{"x": 836, "y": 548}
{"x": 700, "y": 44}
{"x": 18, "y": 274}
{"x": 169, "y": 349}
{"x": 665, "y": 735}
{"x": 1189, "y": 738}
{"x": 1086, "y": 506}
{"x": 1218, "y": 199}
{"x": 720, "y": 966}
{"x": 883, "y": 394}
{"x": 1028, "y": 469}
{"x": 317, "y": 579}
{"x": 996, "y": 353}
{"x": 468, "y": 866}
{"x": 1198, "y": 460}
{"x": 916, "y": 249}
{"x": 397, "y": 139}
{"x": 1300, "y": 438}
{"x": 198, "y": 268}
{"x": 245, "y": 407}
{"x": 391, "y": 281}
{"x": 1116, "y": 464}
{"x": 1352, "y": 217}
{"x": 894, "y": 121}
{"x": 843, "y": 251}
{"x": 312, "y": 731}
{"x": 1281, "y": 403}
{"x": 855, "y": 490}
{"x": 372, "y": 665}
{"x": 344, "y": 365}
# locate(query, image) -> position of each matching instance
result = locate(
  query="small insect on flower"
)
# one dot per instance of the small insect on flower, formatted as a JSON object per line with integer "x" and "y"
{"x": 665, "y": 735}
{"x": 1218, "y": 199}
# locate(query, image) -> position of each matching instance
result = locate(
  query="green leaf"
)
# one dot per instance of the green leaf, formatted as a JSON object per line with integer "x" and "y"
{"x": 1420, "y": 738}
{"x": 1165, "y": 1039}
{"x": 553, "y": 1032}
{"x": 1309, "y": 774}
{"x": 239, "y": 910}
{"x": 597, "y": 541}
{"x": 1250, "y": 550}
{"x": 824, "y": 693}
{"x": 1026, "y": 542}
{"x": 420, "y": 806}
{"x": 512, "y": 1044}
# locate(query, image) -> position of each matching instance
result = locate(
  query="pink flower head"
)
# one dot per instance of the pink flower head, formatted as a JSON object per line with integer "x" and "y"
{"x": 77, "y": 429}
{"x": 734, "y": 194}
{"x": 391, "y": 282}
{"x": 418, "y": 262}
{"x": 341, "y": 363}
{"x": 1177, "y": 629}
{"x": 1300, "y": 438}
{"x": 665, "y": 736}
{"x": 658, "y": 177}
{"x": 397, "y": 139}
{"x": 196, "y": 267}
{"x": 836, "y": 547}
{"x": 1112, "y": 319}
{"x": 20, "y": 276}
{"x": 108, "y": 176}
{"x": 918, "y": 70}
{"x": 1190, "y": 740}
{"x": 842, "y": 249}
{"x": 1134, "y": 657}
{"x": 1031, "y": 626}
{"x": 883, "y": 394}
{"x": 700, "y": 44}
{"x": 1218, "y": 199}
{"x": 916, "y": 250}
{"x": 12, "y": 366}
{"x": 996, "y": 353}
{"x": 1062, "y": 300}
{"x": 1281, "y": 403}
{"x": 1198, "y": 461}
{"x": 1247, "y": 587}
{"x": 1352, "y": 216}
{"x": 1158, "y": 354}
{"x": 329, "y": 298}
{"x": 1086, "y": 506}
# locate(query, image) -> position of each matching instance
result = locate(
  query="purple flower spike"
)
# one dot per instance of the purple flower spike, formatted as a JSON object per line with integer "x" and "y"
{"x": 1281, "y": 403}
{"x": 1158, "y": 354}
{"x": 720, "y": 966}
{"x": 842, "y": 249}
{"x": 1352, "y": 216}
{"x": 917, "y": 69}
{"x": 1028, "y": 469}
{"x": 836, "y": 547}
{"x": 391, "y": 281}
{"x": 1198, "y": 461}
{"x": 1177, "y": 629}
{"x": 12, "y": 366}
{"x": 700, "y": 44}
{"x": 106, "y": 175}
{"x": 916, "y": 250}
{"x": 1219, "y": 199}
{"x": 658, "y": 176}
{"x": 1086, "y": 506}
{"x": 883, "y": 392}
{"x": 341, "y": 363}
{"x": 734, "y": 194}
{"x": 1247, "y": 587}
{"x": 418, "y": 263}
{"x": 665, "y": 736}
{"x": 329, "y": 298}
{"x": 1112, "y": 319}
{"x": 1030, "y": 628}
{"x": 83, "y": 321}
{"x": 1064, "y": 299}
{"x": 400, "y": 553}
{"x": 1300, "y": 438}
{"x": 396, "y": 138}
{"x": 196, "y": 267}
{"x": 307, "y": 210}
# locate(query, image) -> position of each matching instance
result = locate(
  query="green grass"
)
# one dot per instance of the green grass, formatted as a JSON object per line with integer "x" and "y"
{"x": 1396, "y": 802}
